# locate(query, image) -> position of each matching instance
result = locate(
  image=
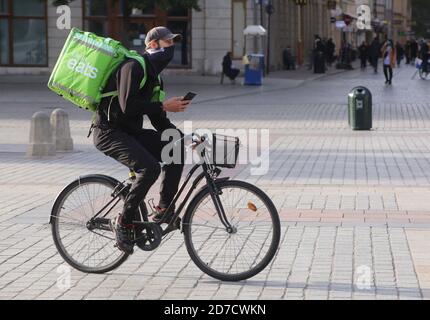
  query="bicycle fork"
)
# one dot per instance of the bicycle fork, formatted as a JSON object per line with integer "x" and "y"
{"x": 215, "y": 192}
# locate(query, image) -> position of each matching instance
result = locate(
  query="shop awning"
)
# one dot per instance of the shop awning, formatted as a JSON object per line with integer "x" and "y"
{"x": 254, "y": 30}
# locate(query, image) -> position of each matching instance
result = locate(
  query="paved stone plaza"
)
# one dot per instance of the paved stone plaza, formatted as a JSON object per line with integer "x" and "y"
{"x": 354, "y": 205}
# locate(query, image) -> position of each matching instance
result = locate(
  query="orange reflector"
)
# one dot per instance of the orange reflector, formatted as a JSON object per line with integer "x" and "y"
{"x": 252, "y": 206}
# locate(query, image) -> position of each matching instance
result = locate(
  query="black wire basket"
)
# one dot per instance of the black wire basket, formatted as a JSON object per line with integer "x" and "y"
{"x": 224, "y": 151}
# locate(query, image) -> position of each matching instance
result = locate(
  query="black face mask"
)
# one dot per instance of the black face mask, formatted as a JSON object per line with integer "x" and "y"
{"x": 161, "y": 57}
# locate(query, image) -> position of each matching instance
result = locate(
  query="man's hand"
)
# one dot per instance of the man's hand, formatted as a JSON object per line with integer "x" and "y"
{"x": 175, "y": 105}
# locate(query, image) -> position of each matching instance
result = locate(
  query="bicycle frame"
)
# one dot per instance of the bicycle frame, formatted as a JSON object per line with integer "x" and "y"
{"x": 210, "y": 176}
{"x": 209, "y": 172}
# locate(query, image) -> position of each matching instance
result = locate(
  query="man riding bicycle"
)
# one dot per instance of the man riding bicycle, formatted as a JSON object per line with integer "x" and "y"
{"x": 119, "y": 133}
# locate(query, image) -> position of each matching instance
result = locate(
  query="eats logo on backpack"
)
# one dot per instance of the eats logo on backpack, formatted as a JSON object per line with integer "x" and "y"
{"x": 83, "y": 68}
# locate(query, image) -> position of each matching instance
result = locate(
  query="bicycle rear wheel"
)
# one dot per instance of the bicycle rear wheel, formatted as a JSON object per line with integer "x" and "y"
{"x": 87, "y": 249}
{"x": 249, "y": 248}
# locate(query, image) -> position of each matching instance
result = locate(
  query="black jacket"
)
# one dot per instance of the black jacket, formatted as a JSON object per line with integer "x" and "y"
{"x": 375, "y": 49}
{"x": 424, "y": 50}
{"x": 364, "y": 51}
{"x": 127, "y": 110}
{"x": 226, "y": 64}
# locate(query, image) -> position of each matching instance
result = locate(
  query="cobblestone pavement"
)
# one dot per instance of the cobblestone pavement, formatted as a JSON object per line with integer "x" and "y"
{"x": 353, "y": 205}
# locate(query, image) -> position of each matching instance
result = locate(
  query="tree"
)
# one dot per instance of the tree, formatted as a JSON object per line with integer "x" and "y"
{"x": 420, "y": 15}
{"x": 128, "y": 5}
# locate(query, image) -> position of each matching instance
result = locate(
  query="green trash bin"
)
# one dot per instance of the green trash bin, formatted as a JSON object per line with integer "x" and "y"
{"x": 360, "y": 109}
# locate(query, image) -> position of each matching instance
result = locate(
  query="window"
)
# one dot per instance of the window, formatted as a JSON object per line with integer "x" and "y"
{"x": 179, "y": 21}
{"x": 23, "y": 33}
{"x": 181, "y": 57}
{"x": 26, "y": 8}
{"x": 95, "y": 17}
{"x": 105, "y": 18}
{"x": 98, "y": 26}
{"x": 96, "y": 8}
{"x": 4, "y": 32}
{"x": 137, "y": 30}
{"x": 178, "y": 12}
{"x": 3, "y": 6}
{"x": 239, "y": 24}
{"x": 29, "y": 41}
{"x": 148, "y": 11}
{"x": 4, "y": 41}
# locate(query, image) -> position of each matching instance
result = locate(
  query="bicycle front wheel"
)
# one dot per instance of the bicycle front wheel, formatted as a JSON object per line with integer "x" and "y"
{"x": 86, "y": 248}
{"x": 237, "y": 255}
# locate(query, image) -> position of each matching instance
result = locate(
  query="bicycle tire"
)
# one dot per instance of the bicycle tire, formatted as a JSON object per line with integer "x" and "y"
{"x": 104, "y": 180}
{"x": 186, "y": 227}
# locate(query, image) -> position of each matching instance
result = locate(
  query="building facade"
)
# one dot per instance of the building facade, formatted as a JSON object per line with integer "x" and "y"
{"x": 30, "y": 40}
{"x": 402, "y": 19}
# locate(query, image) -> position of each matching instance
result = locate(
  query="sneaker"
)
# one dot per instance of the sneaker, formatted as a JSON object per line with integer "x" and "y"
{"x": 123, "y": 235}
{"x": 160, "y": 214}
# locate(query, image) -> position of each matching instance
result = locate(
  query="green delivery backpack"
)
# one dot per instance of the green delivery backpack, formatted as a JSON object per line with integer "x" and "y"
{"x": 84, "y": 66}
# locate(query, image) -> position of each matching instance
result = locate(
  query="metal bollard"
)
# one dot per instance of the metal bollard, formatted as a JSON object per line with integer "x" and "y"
{"x": 61, "y": 130}
{"x": 41, "y": 144}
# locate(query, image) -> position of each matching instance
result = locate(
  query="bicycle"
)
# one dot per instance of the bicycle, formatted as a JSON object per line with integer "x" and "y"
{"x": 231, "y": 228}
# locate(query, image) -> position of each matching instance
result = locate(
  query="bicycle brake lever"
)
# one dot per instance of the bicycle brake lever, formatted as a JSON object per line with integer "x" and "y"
{"x": 193, "y": 146}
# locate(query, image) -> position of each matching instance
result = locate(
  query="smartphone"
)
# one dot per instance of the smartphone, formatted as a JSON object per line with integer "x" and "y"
{"x": 189, "y": 96}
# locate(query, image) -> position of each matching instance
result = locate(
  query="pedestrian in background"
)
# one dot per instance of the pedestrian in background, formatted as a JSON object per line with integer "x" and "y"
{"x": 400, "y": 53}
{"x": 424, "y": 54}
{"x": 414, "y": 50}
{"x": 345, "y": 56}
{"x": 374, "y": 52}
{"x": 330, "y": 49}
{"x": 288, "y": 59}
{"x": 227, "y": 68}
{"x": 363, "y": 51}
{"x": 319, "y": 55}
{"x": 389, "y": 56}
{"x": 408, "y": 52}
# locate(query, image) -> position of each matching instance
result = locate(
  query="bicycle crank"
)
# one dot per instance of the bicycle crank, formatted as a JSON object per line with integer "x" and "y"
{"x": 148, "y": 236}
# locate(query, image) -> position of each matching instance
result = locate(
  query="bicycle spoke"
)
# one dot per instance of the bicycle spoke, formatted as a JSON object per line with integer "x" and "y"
{"x": 207, "y": 226}
{"x": 86, "y": 248}
{"x": 246, "y": 246}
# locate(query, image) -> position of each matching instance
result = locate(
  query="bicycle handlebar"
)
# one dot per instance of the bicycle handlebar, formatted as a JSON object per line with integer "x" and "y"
{"x": 195, "y": 138}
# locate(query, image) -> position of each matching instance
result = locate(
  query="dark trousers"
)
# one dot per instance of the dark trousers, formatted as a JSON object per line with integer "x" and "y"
{"x": 231, "y": 73}
{"x": 363, "y": 62}
{"x": 319, "y": 62}
{"x": 425, "y": 63}
{"x": 375, "y": 63}
{"x": 388, "y": 72}
{"x": 142, "y": 153}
